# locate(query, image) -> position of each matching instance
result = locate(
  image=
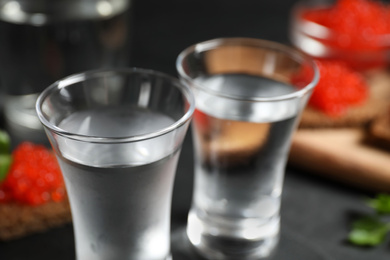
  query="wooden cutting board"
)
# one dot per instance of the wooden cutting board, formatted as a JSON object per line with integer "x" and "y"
{"x": 343, "y": 155}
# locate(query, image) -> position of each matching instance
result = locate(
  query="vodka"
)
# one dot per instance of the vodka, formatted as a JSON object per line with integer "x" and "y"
{"x": 121, "y": 211}
{"x": 241, "y": 150}
{"x": 43, "y": 41}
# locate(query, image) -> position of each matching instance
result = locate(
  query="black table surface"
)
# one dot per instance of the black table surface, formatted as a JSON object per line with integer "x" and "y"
{"x": 316, "y": 212}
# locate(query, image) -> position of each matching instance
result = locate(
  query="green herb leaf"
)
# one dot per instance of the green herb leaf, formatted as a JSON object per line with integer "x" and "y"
{"x": 368, "y": 231}
{"x": 5, "y": 143}
{"x": 5, "y": 162}
{"x": 381, "y": 203}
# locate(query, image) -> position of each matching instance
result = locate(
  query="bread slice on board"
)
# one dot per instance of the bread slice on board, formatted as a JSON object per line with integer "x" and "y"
{"x": 377, "y": 103}
{"x": 342, "y": 149}
{"x": 17, "y": 220}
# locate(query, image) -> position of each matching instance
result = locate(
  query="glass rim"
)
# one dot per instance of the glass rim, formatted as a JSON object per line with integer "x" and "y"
{"x": 250, "y": 42}
{"x": 79, "y": 77}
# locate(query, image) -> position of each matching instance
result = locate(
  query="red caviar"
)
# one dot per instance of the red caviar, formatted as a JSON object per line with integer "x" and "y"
{"x": 34, "y": 176}
{"x": 338, "y": 89}
{"x": 360, "y": 22}
{"x": 356, "y": 25}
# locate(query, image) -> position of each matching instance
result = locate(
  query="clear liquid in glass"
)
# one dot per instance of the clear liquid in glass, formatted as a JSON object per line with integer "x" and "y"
{"x": 240, "y": 156}
{"x": 121, "y": 211}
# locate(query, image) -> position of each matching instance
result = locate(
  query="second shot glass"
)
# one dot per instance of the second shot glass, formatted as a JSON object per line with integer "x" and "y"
{"x": 248, "y": 104}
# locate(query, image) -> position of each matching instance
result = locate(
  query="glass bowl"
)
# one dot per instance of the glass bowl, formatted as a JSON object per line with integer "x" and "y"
{"x": 360, "y": 47}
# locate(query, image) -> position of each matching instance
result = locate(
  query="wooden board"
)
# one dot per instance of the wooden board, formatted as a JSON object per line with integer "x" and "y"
{"x": 342, "y": 154}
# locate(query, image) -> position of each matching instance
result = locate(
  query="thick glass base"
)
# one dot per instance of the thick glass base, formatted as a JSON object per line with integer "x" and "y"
{"x": 291, "y": 246}
{"x": 236, "y": 242}
{"x": 231, "y": 249}
{"x": 21, "y": 119}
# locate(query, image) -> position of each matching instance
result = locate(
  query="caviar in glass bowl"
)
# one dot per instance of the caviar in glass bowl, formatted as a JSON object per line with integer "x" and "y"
{"x": 354, "y": 31}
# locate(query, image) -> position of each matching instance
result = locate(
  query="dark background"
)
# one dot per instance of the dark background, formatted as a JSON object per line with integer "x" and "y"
{"x": 316, "y": 212}
{"x": 163, "y": 28}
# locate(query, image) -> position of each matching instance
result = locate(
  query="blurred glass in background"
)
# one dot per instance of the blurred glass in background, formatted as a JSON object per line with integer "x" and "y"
{"x": 44, "y": 40}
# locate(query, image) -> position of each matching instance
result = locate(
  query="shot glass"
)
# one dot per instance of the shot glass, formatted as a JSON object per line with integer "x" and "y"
{"x": 248, "y": 102}
{"x": 117, "y": 135}
{"x": 46, "y": 40}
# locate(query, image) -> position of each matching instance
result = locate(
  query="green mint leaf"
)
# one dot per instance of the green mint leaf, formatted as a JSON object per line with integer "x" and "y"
{"x": 368, "y": 231}
{"x": 5, "y": 143}
{"x": 381, "y": 203}
{"x": 5, "y": 162}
